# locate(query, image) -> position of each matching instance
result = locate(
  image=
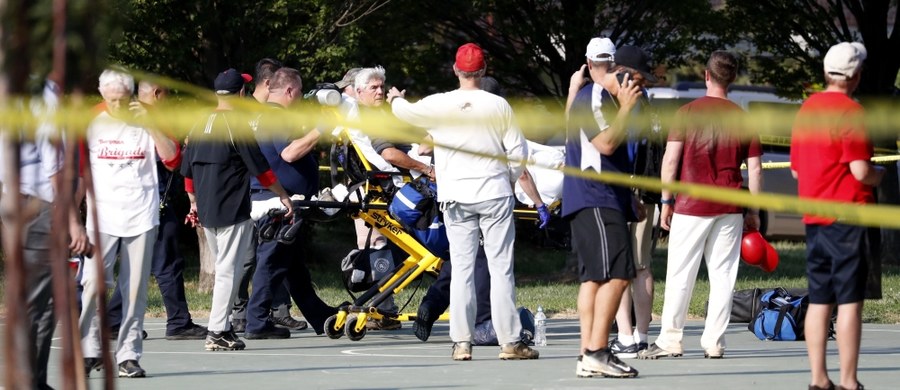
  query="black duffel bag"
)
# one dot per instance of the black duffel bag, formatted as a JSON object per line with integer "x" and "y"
{"x": 745, "y": 304}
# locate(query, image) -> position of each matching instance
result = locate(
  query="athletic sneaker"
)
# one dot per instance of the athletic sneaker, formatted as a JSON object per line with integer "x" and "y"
{"x": 424, "y": 322}
{"x": 582, "y": 372}
{"x": 462, "y": 350}
{"x": 623, "y": 351}
{"x": 607, "y": 364}
{"x": 714, "y": 354}
{"x": 517, "y": 351}
{"x": 287, "y": 322}
{"x": 131, "y": 369}
{"x": 192, "y": 332}
{"x": 656, "y": 352}
{"x": 223, "y": 341}
{"x": 642, "y": 346}
{"x": 92, "y": 364}
{"x": 268, "y": 332}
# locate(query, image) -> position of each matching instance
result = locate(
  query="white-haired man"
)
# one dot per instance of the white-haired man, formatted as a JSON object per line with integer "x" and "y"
{"x": 122, "y": 156}
{"x": 477, "y": 195}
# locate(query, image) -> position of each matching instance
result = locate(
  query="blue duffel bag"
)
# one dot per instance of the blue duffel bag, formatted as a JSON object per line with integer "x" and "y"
{"x": 416, "y": 207}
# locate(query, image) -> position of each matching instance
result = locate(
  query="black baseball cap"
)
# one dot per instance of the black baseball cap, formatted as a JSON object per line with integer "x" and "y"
{"x": 230, "y": 82}
{"x": 637, "y": 59}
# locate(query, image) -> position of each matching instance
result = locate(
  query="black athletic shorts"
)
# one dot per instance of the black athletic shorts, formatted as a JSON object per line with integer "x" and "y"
{"x": 602, "y": 242}
{"x": 837, "y": 263}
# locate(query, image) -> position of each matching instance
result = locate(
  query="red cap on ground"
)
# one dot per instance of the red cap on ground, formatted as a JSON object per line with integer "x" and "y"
{"x": 469, "y": 58}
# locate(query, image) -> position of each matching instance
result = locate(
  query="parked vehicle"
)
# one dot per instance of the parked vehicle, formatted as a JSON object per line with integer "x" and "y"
{"x": 774, "y": 136}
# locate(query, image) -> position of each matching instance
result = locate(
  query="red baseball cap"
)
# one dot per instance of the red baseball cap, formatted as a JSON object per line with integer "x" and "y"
{"x": 469, "y": 58}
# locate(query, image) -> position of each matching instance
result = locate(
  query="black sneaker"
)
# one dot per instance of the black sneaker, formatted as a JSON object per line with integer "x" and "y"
{"x": 192, "y": 332}
{"x": 288, "y": 322}
{"x": 424, "y": 322}
{"x": 238, "y": 325}
{"x": 92, "y": 364}
{"x": 623, "y": 351}
{"x": 131, "y": 369}
{"x": 223, "y": 341}
{"x": 607, "y": 364}
{"x": 269, "y": 332}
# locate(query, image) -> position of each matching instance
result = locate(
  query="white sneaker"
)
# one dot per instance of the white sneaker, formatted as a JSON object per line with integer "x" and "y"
{"x": 582, "y": 372}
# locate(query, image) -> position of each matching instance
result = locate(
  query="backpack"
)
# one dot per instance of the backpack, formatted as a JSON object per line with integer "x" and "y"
{"x": 416, "y": 207}
{"x": 781, "y": 316}
{"x": 362, "y": 269}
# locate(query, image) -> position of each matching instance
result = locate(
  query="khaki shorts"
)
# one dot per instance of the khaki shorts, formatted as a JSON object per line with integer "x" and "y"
{"x": 641, "y": 232}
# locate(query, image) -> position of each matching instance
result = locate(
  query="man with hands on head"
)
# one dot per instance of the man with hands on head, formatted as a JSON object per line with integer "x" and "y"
{"x": 598, "y": 212}
{"x": 122, "y": 157}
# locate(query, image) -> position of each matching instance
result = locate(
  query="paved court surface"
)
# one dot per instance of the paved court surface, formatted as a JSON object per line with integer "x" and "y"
{"x": 397, "y": 360}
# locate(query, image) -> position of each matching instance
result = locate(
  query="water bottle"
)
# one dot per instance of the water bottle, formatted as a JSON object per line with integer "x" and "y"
{"x": 540, "y": 327}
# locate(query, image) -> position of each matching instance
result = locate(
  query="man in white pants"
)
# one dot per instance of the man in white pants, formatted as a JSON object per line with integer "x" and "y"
{"x": 476, "y": 192}
{"x": 707, "y": 153}
{"x": 122, "y": 157}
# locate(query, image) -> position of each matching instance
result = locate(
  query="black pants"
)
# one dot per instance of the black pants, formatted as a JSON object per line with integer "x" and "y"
{"x": 438, "y": 295}
{"x": 278, "y": 264}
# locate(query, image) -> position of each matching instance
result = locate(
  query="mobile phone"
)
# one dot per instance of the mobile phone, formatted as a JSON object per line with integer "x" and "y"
{"x": 621, "y": 77}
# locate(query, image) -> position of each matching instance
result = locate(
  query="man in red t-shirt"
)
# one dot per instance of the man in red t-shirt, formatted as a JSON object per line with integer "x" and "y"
{"x": 706, "y": 148}
{"x": 830, "y": 155}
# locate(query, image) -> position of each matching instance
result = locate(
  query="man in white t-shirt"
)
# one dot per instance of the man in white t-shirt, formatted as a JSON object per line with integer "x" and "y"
{"x": 476, "y": 193}
{"x": 122, "y": 158}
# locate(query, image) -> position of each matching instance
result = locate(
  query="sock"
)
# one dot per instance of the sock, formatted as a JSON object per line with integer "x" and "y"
{"x": 640, "y": 338}
{"x": 626, "y": 340}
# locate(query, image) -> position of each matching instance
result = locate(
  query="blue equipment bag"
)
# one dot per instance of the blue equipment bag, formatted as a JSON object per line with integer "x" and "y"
{"x": 416, "y": 207}
{"x": 781, "y": 316}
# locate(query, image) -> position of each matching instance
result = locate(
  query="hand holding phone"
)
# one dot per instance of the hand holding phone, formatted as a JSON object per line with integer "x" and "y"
{"x": 621, "y": 77}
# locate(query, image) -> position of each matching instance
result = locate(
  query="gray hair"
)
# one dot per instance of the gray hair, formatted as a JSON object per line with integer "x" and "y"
{"x": 111, "y": 79}
{"x": 469, "y": 75}
{"x": 366, "y": 75}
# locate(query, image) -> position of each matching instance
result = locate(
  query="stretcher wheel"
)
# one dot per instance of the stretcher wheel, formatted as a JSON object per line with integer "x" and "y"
{"x": 330, "y": 330}
{"x": 350, "y": 329}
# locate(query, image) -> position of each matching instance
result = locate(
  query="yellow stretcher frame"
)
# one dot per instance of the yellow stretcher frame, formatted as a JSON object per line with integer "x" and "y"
{"x": 351, "y": 319}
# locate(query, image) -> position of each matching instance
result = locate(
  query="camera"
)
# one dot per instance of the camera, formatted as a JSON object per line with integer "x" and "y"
{"x": 326, "y": 94}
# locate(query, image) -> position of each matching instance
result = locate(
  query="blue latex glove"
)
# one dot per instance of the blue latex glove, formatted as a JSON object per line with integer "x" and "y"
{"x": 543, "y": 216}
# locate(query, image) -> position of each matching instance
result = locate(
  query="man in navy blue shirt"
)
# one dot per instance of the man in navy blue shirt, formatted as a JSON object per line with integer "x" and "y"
{"x": 288, "y": 149}
{"x": 599, "y": 212}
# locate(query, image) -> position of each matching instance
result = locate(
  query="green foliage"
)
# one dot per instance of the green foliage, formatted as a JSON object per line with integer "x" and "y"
{"x": 788, "y": 38}
{"x": 194, "y": 41}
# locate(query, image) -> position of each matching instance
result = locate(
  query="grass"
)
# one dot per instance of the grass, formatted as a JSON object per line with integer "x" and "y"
{"x": 542, "y": 277}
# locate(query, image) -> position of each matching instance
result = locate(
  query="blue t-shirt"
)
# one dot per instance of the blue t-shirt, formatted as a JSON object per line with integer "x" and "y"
{"x": 299, "y": 177}
{"x": 583, "y": 126}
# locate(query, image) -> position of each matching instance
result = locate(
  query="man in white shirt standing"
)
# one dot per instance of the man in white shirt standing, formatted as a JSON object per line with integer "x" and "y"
{"x": 476, "y": 193}
{"x": 122, "y": 159}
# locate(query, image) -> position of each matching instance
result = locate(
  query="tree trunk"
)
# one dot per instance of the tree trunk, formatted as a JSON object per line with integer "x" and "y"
{"x": 207, "y": 264}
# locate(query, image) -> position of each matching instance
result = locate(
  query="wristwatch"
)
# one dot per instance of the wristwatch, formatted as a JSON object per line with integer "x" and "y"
{"x": 670, "y": 202}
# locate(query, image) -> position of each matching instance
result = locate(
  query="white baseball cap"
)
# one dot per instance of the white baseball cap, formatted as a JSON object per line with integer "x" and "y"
{"x": 599, "y": 46}
{"x": 844, "y": 60}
